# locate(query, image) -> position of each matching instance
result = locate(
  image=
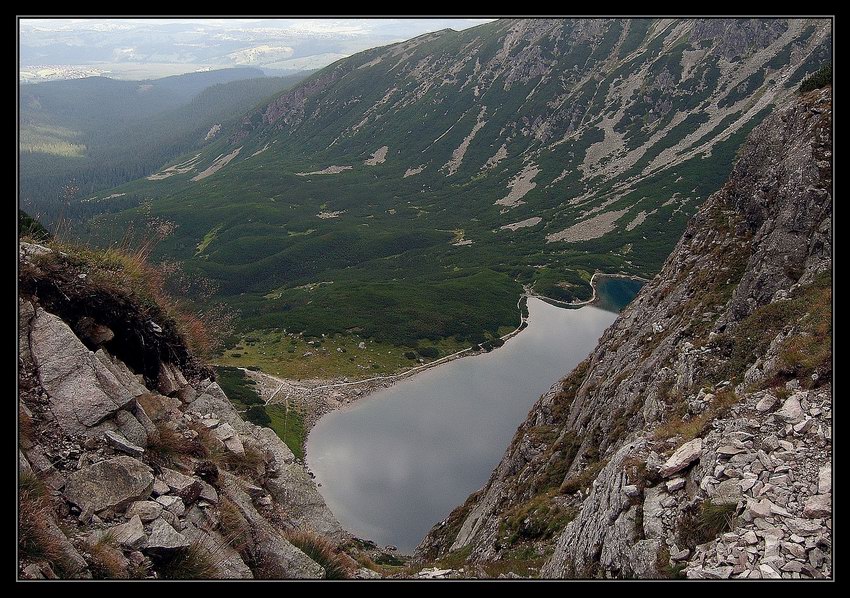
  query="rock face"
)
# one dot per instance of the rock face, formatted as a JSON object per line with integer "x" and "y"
{"x": 109, "y": 484}
{"x": 122, "y": 444}
{"x": 617, "y": 530}
{"x": 82, "y": 390}
{"x": 684, "y": 383}
{"x": 130, "y": 534}
{"x": 164, "y": 538}
{"x": 146, "y": 510}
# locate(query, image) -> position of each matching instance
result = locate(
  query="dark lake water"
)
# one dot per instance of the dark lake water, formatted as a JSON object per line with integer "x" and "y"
{"x": 396, "y": 463}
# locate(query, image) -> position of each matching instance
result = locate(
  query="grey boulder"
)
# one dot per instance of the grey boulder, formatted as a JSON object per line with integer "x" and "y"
{"x": 682, "y": 458}
{"x": 164, "y": 538}
{"x": 111, "y": 483}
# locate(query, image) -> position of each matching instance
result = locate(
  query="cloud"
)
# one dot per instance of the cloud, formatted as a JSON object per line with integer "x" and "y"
{"x": 122, "y": 54}
{"x": 261, "y": 54}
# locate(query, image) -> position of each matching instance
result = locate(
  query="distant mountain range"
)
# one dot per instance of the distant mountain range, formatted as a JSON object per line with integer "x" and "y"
{"x": 95, "y": 133}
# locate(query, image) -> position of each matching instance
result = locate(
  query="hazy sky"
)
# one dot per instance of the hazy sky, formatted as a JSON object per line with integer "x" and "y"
{"x": 137, "y": 48}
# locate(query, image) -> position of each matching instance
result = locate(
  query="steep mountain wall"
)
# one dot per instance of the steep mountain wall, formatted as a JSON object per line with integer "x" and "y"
{"x": 696, "y": 438}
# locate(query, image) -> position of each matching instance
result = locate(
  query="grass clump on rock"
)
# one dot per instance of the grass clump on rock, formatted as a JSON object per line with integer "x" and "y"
{"x": 322, "y": 551}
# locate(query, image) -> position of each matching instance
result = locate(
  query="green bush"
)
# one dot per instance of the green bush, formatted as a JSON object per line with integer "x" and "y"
{"x": 821, "y": 78}
{"x": 30, "y": 227}
{"x": 429, "y": 352}
{"x": 256, "y": 414}
{"x": 706, "y": 523}
{"x": 410, "y": 355}
{"x": 237, "y": 386}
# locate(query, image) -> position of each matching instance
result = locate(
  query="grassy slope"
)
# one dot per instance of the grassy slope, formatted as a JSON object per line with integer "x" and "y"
{"x": 100, "y": 133}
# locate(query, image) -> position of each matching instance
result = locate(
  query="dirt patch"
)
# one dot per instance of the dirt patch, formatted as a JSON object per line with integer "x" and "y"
{"x": 214, "y": 130}
{"x": 494, "y": 160}
{"x": 413, "y": 171}
{"x": 259, "y": 151}
{"x": 588, "y": 229}
{"x": 328, "y": 170}
{"x": 533, "y": 221}
{"x": 366, "y": 65}
{"x": 181, "y": 168}
{"x": 520, "y": 185}
{"x": 691, "y": 58}
{"x": 459, "y": 241}
{"x": 612, "y": 144}
{"x": 327, "y": 215}
{"x": 379, "y": 157}
{"x": 219, "y": 163}
{"x": 95, "y": 199}
{"x": 639, "y": 219}
{"x": 457, "y": 156}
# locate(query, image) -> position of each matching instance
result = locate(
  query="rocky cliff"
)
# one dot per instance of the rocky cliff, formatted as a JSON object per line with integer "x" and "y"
{"x": 696, "y": 439}
{"x": 132, "y": 462}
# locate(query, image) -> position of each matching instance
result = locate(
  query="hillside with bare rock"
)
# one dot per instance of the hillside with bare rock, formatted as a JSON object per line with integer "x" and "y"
{"x": 407, "y": 167}
{"x": 696, "y": 440}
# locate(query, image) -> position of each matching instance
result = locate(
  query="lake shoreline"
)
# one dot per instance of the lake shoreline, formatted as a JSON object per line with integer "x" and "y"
{"x": 392, "y": 466}
{"x": 315, "y": 398}
{"x": 318, "y": 397}
{"x": 594, "y": 297}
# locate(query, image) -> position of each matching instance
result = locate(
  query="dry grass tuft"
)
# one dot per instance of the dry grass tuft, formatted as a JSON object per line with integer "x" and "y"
{"x": 107, "y": 560}
{"x": 706, "y": 523}
{"x": 233, "y": 525}
{"x": 696, "y": 426}
{"x": 36, "y": 538}
{"x": 197, "y": 561}
{"x": 26, "y": 429}
{"x": 170, "y": 446}
{"x": 323, "y": 552}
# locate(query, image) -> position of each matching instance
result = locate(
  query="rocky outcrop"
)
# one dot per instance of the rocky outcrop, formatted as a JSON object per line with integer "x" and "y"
{"x": 694, "y": 438}
{"x": 164, "y": 538}
{"x": 112, "y": 483}
{"x": 287, "y": 481}
{"x": 625, "y": 549}
{"x": 144, "y": 484}
{"x": 682, "y": 457}
{"x": 82, "y": 389}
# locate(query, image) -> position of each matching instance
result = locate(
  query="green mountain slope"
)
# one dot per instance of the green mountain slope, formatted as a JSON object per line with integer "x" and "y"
{"x": 100, "y": 132}
{"x": 429, "y": 180}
